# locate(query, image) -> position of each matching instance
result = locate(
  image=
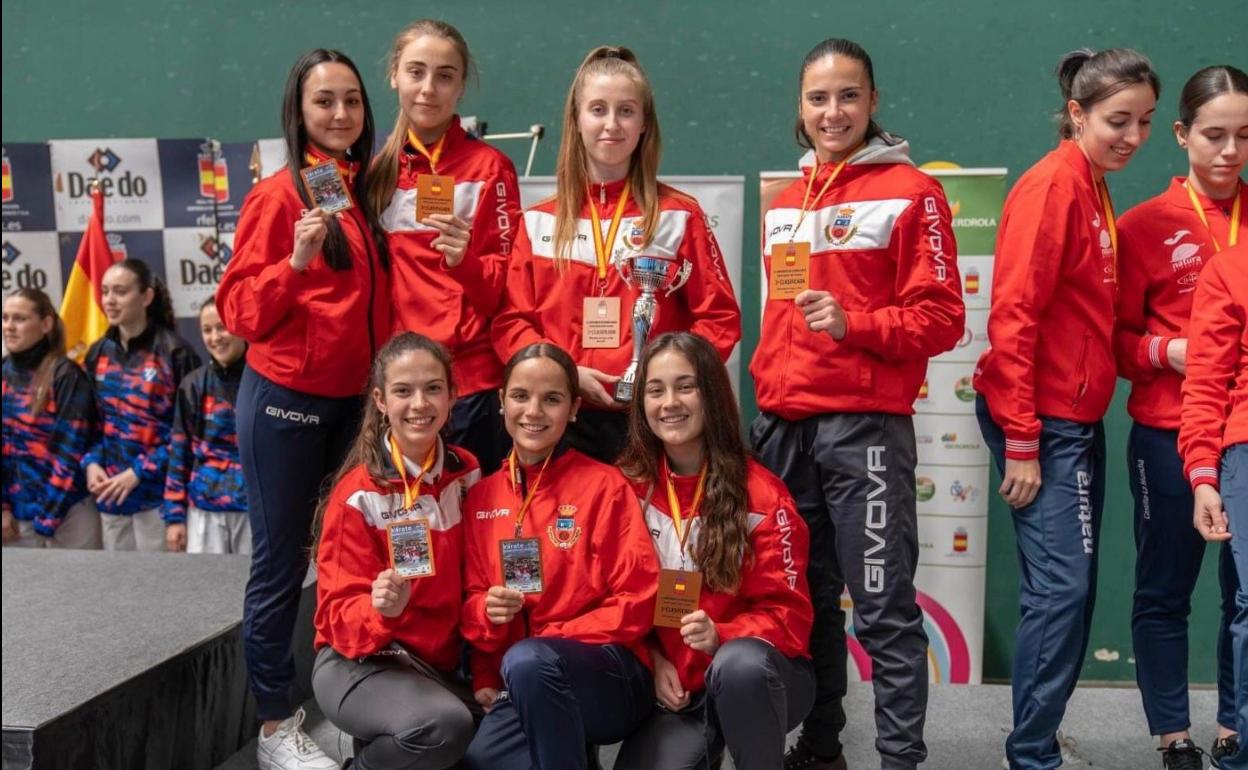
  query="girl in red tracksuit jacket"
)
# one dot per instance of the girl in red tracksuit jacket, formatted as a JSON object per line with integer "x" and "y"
{"x": 389, "y": 645}
{"x": 863, "y": 289}
{"x": 735, "y": 668}
{"x": 1047, "y": 378}
{"x": 561, "y": 579}
{"x": 1213, "y": 438}
{"x": 448, "y": 269}
{"x": 1164, "y": 243}
{"x": 309, "y": 291}
{"x": 563, "y": 285}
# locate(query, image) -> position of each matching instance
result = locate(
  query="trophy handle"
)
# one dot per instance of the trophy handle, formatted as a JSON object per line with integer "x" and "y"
{"x": 682, "y": 277}
{"x": 618, "y": 260}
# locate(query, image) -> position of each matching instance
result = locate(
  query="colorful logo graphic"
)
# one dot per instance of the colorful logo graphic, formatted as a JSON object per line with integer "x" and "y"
{"x": 971, "y": 281}
{"x": 214, "y": 248}
{"x": 117, "y": 246}
{"x": 842, "y": 228}
{"x": 923, "y": 391}
{"x": 8, "y": 181}
{"x": 961, "y": 540}
{"x": 963, "y": 493}
{"x": 11, "y": 253}
{"x": 104, "y": 160}
{"x": 635, "y": 238}
{"x": 964, "y": 390}
{"x": 214, "y": 175}
{"x": 924, "y": 488}
{"x": 948, "y": 655}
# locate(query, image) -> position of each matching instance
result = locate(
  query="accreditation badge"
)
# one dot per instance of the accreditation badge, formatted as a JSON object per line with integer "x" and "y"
{"x": 326, "y": 187}
{"x": 411, "y": 548}
{"x": 790, "y": 270}
{"x": 600, "y": 322}
{"x": 679, "y": 592}
{"x": 435, "y": 194}
{"x": 522, "y": 564}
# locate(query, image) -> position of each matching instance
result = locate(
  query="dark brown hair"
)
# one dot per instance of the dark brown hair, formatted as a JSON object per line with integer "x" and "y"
{"x": 724, "y": 539}
{"x": 545, "y": 350}
{"x": 335, "y": 248}
{"x": 835, "y": 46}
{"x": 1207, "y": 85}
{"x": 42, "y": 380}
{"x": 367, "y": 448}
{"x": 160, "y": 310}
{"x": 385, "y": 172}
{"x": 1090, "y": 77}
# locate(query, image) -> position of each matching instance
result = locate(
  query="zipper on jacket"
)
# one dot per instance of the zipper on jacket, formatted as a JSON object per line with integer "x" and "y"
{"x": 372, "y": 289}
{"x": 602, "y": 194}
{"x": 1082, "y": 371}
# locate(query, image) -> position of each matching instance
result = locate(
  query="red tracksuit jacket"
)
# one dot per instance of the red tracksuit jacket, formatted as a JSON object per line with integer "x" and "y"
{"x": 1163, "y": 246}
{"x": 773, "y": 601}
{"x": 455, "y": 305}
{"x": 1051, "y": 324}
{"x": 599, "y": 585}
{"x": 354, "y": 549}
{"x": 313, "y": 331}
{"x": 543, "y": 304}
{"x": 882, "y": 243}
{"x": 1215, "y": 392}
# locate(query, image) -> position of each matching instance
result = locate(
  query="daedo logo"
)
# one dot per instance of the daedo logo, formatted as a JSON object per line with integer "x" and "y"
{"x": 105, "y": 162}
{"x": 194, "y": 273}
{"x": 26, "y": 277}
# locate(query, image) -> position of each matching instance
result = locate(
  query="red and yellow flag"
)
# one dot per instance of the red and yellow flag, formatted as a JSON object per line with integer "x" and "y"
{"x": 82, "y": 308}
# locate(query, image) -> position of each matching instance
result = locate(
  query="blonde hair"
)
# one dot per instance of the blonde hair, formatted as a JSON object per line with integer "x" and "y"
{"x": 384, "y": 175}
{"x": 571, "y": 174}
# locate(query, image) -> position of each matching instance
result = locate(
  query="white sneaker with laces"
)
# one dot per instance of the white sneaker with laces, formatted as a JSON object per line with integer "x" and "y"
{"x": 290, "y": 748}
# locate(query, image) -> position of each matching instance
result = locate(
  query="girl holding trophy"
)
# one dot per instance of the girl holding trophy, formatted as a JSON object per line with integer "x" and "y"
{"x": 615, "y": 256}
{"x": 862, "y": 289}
{"x": 560, "y": 578}
{"x": 731, "y": 655}
{"x": 450, "y": 206}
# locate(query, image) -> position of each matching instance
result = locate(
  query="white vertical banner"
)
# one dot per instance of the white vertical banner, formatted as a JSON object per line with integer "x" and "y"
{"x": 952, "y": 472}
{"x": 722, "y": 199}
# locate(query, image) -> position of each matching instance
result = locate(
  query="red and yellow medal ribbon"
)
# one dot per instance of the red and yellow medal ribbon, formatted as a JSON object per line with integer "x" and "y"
{"x": 1107, "y": 206}
{"x": 1200, "y": 212}
{"x": 673, "y": 503}
{"x": 514, "y": 472}
{"x": 808, "y": 205}
{"x": 434, "y": 155}
{"x": 601, "y": 246}
{"x": 397, "y": 458}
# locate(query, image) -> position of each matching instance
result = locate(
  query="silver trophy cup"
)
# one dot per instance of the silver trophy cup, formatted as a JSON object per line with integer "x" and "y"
{"x": 648, "y": 275}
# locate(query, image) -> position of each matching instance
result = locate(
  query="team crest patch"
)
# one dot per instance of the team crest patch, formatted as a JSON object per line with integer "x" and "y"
{"x": 635, "y": 237}
{"x": 842, "y": 228}
{"x": 564, "y": 532}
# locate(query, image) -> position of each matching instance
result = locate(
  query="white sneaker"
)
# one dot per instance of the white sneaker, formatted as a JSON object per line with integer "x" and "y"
{"x": 1070, "y": 753}
{"x": 290, "y": 748}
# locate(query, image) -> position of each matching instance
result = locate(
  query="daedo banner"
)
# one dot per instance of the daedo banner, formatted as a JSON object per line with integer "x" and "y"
{"x": 952, "y": 475}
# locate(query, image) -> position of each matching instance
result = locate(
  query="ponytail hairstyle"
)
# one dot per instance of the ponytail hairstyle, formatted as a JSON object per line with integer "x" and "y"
{"x": 367, "y": 449}
{"x": 1090, "y": 77}
{"x": 45, "y": 372}
{"x": 572, "y": 171}
{"x": 835, "y": 46}
{"x": 724, "y": 539}
{"x": 384, "y": 176}
{"x": 160, "y": 309}
{"x": 335, "y": 249}
{"x": 1207, "y": 85}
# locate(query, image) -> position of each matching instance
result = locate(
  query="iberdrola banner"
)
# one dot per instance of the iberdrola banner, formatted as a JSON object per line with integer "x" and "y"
{"x": 952, "y": 477}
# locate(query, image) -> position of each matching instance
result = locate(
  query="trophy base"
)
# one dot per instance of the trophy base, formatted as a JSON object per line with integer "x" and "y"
{"x": 625, "y": 387}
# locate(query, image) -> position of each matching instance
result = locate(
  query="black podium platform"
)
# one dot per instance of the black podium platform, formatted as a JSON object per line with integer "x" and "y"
{"x": 127, "y": 660}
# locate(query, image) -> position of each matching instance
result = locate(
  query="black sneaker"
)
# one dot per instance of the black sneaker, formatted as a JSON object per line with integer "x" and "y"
{"x": 801, "y": 758}
{"x": 1223, "y": 748}
{"x": 1182, "y": 755}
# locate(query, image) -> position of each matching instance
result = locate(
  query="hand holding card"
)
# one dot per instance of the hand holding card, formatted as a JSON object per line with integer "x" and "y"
{"x": 390, "y": 593}
{"x": 310, "y": 232}
{"x": 502, "y": 604}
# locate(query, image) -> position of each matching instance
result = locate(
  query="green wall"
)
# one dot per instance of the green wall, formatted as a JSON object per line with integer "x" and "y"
{"x": 965, "y": 81}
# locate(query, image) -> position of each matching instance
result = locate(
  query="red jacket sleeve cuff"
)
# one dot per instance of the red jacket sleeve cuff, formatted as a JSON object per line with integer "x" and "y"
{"x": 1157, "y": 346}
{"x": 858, "y": 329}
{"x": 1022, "y": 447}
{"x": 1203, "y": 473}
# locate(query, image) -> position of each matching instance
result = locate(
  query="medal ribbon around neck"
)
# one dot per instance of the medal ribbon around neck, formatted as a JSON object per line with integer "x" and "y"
{"x": 808, "y": 205}
{"x": 434, "y": 155}
{"x": 683, "y": 530}
{"x": 1110, "y": 222}
{"x": 397, "y": 458}
{"x": 601, "y": 246}
{"x": 513, "y": 471}
{"x": 1200, "y": 212}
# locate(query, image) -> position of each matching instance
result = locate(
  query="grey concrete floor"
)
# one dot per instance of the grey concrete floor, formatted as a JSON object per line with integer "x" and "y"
{"x": 966, "y": 728}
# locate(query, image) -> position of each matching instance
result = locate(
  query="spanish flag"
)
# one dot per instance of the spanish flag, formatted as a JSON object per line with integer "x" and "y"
{"x": 82, "y": 308}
